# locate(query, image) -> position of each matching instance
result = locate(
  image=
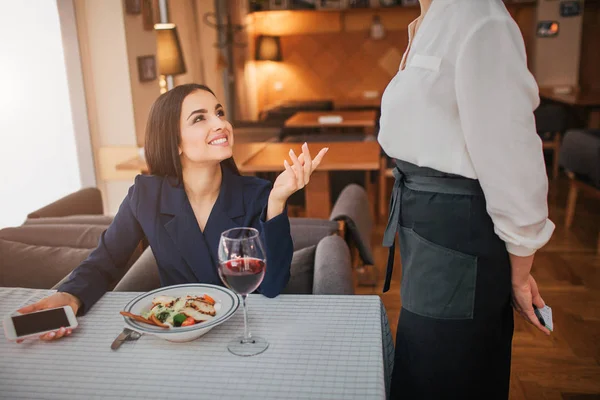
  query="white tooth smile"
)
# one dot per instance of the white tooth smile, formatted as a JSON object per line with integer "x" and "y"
{"x": 218, "y": 141}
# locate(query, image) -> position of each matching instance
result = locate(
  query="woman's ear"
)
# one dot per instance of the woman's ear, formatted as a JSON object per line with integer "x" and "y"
{"x": 180, "y": 151}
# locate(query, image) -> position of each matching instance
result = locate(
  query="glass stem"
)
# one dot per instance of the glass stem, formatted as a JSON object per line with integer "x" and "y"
{"x": 247, "y": 334}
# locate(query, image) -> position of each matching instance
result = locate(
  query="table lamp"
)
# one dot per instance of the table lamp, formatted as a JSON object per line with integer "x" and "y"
{"x": 268, "y": 48}
{"x": 170, "y": 56}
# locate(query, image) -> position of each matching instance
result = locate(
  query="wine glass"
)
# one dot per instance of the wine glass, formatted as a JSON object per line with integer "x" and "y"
{"x": 242, "y": 264}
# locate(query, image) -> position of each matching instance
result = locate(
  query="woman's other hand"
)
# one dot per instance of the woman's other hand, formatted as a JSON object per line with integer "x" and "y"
{"x": 295, "y": 177}
{"x": 56, "y": 300}
{"x": 525, "y": 291}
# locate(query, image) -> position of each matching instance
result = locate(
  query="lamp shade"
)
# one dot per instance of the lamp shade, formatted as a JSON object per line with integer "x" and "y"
{"x": 170, "y": 56}
{"x": 268, "y": 48}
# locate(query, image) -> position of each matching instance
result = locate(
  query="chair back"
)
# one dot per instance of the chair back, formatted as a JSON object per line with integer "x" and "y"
{"x": 550, "y": 119}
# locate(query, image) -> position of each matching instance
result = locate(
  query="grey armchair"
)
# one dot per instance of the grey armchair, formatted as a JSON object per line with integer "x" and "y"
{"x": 322, "y": 261}
{"x": 56, "y": 238}
{"x": 352, "y": 208}
{"x": 321, "y": 266}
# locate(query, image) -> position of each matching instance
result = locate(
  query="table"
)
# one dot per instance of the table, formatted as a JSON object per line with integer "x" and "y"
{"x": 137, "y": 164}
{"x": 583, "y": 99}
{"x": 351, "y": 119}
{"x": 241, "y": 152}
{"x": 342, "y": 156}
{"x": 325, "y": 347}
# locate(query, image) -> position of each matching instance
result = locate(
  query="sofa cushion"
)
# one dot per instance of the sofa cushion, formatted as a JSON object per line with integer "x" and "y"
{"x": 54, "y": 251}
{"x": 83, "y": 202}
{"x": 333, "y": 267}
{"x": 21, "y": 263}
{"x": 104, "y": 220}
{"x": 302, "y": 271}
{"x": 76, "y": 236}
{"x": 142, "y": 276}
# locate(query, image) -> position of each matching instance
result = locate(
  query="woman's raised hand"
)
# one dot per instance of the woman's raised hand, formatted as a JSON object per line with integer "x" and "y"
{"x": 297, "y": 174}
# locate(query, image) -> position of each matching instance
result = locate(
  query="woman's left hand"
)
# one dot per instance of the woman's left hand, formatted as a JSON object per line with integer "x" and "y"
{"x": 297, "y": 175}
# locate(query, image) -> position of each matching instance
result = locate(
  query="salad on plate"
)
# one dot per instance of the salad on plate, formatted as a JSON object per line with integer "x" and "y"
{"x": 175, "y": 312}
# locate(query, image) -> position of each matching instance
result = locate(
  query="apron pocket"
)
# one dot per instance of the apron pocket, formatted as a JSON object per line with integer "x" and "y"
{"x": 437, "y": 282}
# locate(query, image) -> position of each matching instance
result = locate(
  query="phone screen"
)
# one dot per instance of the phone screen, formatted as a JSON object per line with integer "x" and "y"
{"x": 47, "y": 320}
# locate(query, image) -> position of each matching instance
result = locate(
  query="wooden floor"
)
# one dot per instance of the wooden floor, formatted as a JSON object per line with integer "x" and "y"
{"x": 565, "y": 366}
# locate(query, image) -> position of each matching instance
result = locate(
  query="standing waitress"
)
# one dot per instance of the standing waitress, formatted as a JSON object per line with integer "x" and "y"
{"x": 469, "y": 202}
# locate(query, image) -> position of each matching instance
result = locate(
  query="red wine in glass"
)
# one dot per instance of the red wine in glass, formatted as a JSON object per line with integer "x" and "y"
{"x": 242, "y": 266}
{"x": 242, "y": 275}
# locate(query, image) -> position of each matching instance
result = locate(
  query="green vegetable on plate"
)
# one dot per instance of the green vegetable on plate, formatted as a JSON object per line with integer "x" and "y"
{"x": 178, "y": 319}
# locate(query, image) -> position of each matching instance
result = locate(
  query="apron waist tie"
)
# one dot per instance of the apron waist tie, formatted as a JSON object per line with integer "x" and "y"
{"x": 435, "y": 184}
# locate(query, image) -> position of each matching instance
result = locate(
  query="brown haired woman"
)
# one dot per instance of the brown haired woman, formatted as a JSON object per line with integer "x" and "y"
{"x": 194, "y": 193}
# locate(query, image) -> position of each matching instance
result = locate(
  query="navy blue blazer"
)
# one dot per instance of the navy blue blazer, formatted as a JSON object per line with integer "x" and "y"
{"x": 157, "y": 208}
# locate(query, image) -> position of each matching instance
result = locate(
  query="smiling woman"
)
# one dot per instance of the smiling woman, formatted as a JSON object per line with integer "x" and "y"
{"x": 184, "y": 131}
{"x": 194, "y": 193}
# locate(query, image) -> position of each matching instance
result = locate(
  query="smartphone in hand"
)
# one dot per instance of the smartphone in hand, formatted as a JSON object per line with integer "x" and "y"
{"x": 544, "y": 315}
{"x": 23, "y": 326}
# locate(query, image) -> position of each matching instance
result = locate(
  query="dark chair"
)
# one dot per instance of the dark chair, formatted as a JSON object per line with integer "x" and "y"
{"x": 255, "y": 124}
{"x": 551, "y": 124}
{"x": 580, "y": 157}
{"x": 282, "y": 112}
{"x": 256, "y": 131}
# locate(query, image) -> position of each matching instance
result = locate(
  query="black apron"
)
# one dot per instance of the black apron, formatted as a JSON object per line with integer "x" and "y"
{"x": 456, "y": 324}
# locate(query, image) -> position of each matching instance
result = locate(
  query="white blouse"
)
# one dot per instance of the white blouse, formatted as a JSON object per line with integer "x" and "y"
{"x": 462, "y": 103}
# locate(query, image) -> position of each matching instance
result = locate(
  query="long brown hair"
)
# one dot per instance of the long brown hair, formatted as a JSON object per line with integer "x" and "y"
{"x": 163, "y": 133}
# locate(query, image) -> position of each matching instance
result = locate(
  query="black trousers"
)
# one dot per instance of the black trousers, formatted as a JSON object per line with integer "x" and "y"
{"x": 455, "y": 329}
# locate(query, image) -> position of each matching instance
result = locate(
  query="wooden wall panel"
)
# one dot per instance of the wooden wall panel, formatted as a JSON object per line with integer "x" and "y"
{"x": 525, "y": 17}
{"x": 589, "y": 75}
{"x": 556, "y": 60}
{"x": 110, "y": 156}
{"x": 330, "y": 66}
{"x": 281, "y": 23}
{"x": 391, "y": 19}
{"x": 329, "y": 55}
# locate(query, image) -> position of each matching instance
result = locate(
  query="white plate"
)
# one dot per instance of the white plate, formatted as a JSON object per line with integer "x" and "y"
{"x": 226, "y": 304}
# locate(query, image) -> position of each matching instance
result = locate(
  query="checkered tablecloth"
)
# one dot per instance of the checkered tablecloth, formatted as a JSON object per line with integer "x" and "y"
{"x": 321, "y": 347}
